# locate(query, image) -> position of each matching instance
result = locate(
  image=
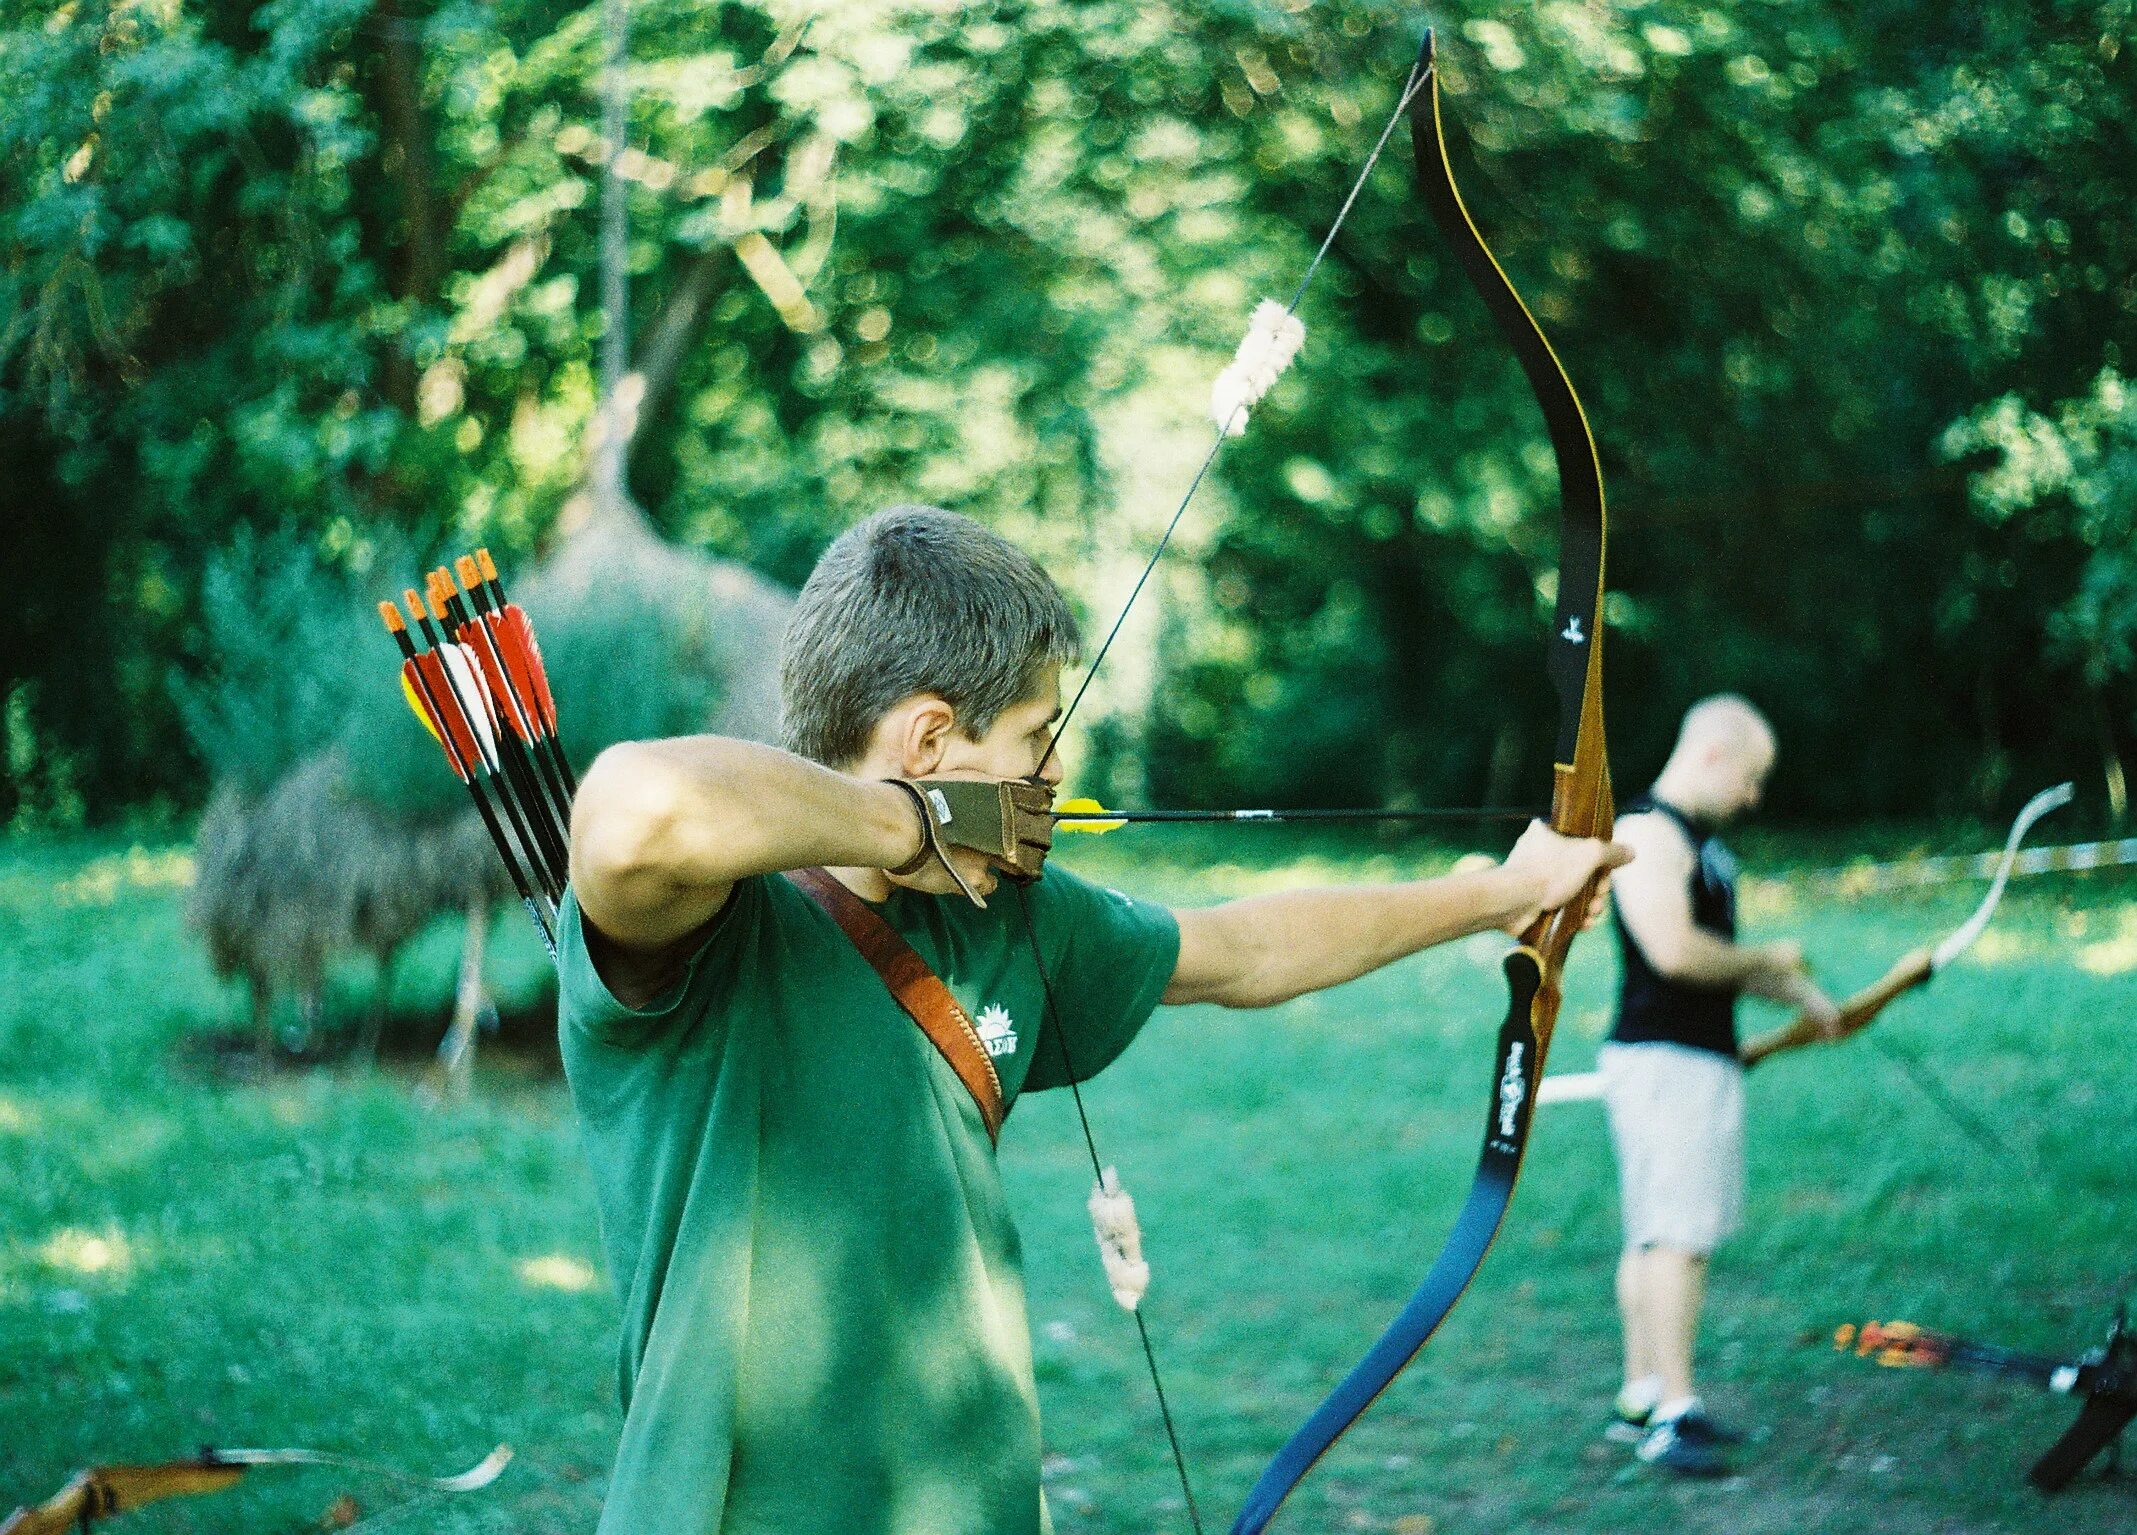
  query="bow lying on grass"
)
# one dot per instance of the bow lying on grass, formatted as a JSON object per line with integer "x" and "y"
{"x": 102, "y": 1491}
{"x": 2104, "y": 1379}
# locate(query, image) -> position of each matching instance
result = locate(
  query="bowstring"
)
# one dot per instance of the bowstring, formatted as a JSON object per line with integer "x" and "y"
{"x": 1419, "y": 74}
{"x": 1052, "y": 1026}
{"x": 1931, "y": 1087}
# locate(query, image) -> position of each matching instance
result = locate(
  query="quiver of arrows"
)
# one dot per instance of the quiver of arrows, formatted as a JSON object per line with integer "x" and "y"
{"x": 472, "y": 672}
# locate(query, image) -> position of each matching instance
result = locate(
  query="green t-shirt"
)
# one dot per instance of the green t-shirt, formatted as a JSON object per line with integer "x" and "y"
{"x": 823, "y": 1302}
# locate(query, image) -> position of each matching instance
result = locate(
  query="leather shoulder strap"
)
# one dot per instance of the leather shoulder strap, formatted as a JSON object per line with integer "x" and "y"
{"x": 916, "y": 988}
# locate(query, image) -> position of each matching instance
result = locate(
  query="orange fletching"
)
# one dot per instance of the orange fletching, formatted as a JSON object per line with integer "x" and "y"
{"x": 523, "y": 655}
{"x": 392, "y": 615}
{"x": 485, "y": 564}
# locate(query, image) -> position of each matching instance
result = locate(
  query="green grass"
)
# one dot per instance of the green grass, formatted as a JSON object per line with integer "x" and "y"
{"x": 325, "y": 1259}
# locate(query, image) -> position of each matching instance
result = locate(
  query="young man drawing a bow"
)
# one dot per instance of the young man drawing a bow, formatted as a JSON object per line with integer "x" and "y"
{"x": 824, "y": 1325}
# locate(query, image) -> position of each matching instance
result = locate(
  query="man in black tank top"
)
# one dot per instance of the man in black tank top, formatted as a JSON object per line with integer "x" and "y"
{"x": 1671, "y": 1081}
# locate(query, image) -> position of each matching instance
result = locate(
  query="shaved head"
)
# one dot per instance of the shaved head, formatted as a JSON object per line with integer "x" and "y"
{"x": 1718, "y": 768}
{"x": 1728, "y": 720}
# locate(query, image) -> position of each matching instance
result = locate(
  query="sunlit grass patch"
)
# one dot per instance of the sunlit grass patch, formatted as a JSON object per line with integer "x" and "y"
{"x": 557, "y": 1271}
{"x": 77, "y": 1251}
{"x": 104, "y": 880}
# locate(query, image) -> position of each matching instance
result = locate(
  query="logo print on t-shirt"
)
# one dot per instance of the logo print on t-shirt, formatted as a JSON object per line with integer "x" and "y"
{"x": 996, "y": 1030}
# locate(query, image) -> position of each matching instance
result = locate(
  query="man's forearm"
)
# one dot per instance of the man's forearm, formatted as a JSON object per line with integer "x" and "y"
{"x": 655, "y": 821}
{"x": 1698, "y": 959}
{"x": 1271, "y": 948}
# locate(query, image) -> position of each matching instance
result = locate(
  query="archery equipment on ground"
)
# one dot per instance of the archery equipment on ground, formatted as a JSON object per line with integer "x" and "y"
{"x": 101, "y": 1491}
{"x": 2104, "y": 1379}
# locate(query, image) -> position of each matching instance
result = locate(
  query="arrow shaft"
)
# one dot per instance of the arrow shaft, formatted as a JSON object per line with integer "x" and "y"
{"x": 1280, "y": 816}
{"x": 466, "y": 773}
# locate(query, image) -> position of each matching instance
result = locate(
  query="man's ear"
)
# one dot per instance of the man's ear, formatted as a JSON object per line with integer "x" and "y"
{"x": 924, "y": 734}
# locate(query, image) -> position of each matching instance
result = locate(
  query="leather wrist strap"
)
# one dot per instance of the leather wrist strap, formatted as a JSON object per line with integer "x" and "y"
{"x": 918, "y": 861}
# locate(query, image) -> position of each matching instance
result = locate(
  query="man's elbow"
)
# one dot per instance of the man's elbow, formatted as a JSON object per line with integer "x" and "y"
{"x": 619, "y": 820}
{"x": 1244, "y": 987}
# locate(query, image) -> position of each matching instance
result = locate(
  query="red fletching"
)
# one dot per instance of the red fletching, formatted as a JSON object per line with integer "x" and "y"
{"x": 506, "y": 702}
{"x": 514, "y": 632}
{"x": 412, "y": 690}
{"x": 453, "y": 686}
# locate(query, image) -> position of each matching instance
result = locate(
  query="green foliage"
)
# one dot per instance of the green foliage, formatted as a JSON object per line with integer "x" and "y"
{"x": 634, "y": 666}
{"x": 2071, "y": 475}
{"x": 282, "y": 632}
{"x": 295, "y": 662}
{"x": 308, "y": 263}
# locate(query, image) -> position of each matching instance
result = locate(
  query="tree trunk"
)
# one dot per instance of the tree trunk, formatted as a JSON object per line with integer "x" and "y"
{"x": 615, "y": 417}
{"x": 408, "y": 155}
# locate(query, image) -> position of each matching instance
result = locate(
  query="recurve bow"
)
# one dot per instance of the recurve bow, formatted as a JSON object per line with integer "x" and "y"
{"x": 1915, "y": 967}
{"x": 1581, "y": 806}
{"x": 102, "y": 1491}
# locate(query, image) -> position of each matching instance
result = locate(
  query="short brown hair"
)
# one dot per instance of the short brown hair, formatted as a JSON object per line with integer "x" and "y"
{"x": 915, "y": 600}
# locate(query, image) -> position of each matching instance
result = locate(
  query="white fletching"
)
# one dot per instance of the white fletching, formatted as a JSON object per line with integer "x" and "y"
{"x": 1120, "y": 1240}
{"x": 1274, "y": 336}
{"x": 464, "y": 676}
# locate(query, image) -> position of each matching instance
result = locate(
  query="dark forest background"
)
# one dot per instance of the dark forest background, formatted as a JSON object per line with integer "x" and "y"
{"x": 1847, "y": 291}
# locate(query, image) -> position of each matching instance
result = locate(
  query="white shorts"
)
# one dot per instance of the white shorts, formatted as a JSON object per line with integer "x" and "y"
{"x": 1677, "y": 1127}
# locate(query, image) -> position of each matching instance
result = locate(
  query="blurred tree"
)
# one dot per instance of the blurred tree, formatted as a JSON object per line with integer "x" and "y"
{"x": 329, "y": 264}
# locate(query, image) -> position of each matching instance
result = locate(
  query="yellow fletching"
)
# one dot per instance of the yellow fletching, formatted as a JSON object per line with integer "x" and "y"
{"x": 1084, "y": 807}
{"x": 415, "y": 705}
